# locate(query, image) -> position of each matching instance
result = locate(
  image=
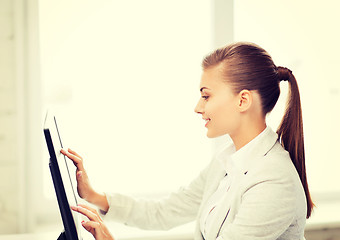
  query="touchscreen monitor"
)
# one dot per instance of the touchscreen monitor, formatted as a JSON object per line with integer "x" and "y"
{"x": 62, "y": 181}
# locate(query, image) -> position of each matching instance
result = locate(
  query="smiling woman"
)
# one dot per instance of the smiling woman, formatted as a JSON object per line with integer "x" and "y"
{"x": 256, "y": 186}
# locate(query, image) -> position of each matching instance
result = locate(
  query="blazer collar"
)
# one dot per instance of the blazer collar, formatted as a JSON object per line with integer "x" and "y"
{"x": 242, "y": 159}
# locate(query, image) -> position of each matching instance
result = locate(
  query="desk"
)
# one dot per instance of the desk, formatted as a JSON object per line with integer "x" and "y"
{"x": 54, "y": 236}
{"x": 122, "y": 232}
{"x": 325, "y": 217}
{"x": 33, "y": 236}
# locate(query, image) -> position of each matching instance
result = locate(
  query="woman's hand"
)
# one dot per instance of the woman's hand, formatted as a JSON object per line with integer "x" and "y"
{"x": 84, "y": 188}
{"x": 96, "y": 225}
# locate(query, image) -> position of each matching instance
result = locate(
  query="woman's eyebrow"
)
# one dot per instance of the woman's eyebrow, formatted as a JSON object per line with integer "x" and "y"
{"x": 203, "y": 88}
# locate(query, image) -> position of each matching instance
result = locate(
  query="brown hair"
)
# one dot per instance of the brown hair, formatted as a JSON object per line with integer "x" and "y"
{"x": 248, "y": 66}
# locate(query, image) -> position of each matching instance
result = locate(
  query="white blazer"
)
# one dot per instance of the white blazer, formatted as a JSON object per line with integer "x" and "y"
{"x": 267, "y": 201}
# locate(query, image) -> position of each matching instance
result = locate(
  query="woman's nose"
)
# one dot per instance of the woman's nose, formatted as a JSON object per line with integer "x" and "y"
{"x": 198, "y": 108}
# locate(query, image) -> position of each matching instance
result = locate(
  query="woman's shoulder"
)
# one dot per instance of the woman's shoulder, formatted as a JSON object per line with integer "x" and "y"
{"x": 276, "y": 164}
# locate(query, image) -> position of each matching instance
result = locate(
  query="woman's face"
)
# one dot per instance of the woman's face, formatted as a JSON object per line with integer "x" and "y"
{"x": 218, "y": 104}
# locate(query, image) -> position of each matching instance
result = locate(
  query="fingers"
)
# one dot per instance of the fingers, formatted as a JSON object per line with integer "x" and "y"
{"x": 90, "y": 209}
{"x": 74, "y": 153}
{"x": 76, "y": 158}
{"x": 91, "y": 226}
{"x": 90, "y": 213}
{"x": 98, "y": 230}
{"x": 95, "y": 226}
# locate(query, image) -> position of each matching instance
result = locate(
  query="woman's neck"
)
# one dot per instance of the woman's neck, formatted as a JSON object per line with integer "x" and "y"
{"x": 247, "y": 133}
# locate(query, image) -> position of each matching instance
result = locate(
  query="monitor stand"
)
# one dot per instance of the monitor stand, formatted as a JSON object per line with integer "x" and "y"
{"x": 62, "y": 236}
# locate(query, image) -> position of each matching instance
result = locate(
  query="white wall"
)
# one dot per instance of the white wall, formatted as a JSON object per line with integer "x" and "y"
{"x": 20, "y": 123}
{"x": 9, "y": 164}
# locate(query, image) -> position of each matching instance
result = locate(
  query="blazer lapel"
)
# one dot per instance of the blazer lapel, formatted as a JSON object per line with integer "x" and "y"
{"x": 213, "y": 183}
{"x": 224, "y": 207}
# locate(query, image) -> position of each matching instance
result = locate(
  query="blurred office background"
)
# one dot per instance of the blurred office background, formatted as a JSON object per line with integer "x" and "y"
{"x": 123, "y": 78}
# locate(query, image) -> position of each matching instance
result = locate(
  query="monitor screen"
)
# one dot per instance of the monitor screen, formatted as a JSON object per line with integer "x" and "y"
{"x": 62, "y": 181}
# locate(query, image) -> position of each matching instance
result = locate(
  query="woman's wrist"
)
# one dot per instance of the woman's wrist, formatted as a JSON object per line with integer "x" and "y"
{"x": 100, "y": 200}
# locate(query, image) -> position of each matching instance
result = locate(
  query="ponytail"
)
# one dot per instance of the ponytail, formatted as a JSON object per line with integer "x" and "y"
{"x": 290, "y": 131}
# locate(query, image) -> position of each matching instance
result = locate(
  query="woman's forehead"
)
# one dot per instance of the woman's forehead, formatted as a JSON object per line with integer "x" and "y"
{"x": 211, "y": 79}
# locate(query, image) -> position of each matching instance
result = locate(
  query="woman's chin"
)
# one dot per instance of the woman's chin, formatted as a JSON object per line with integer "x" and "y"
{"x": 212, "y": 134}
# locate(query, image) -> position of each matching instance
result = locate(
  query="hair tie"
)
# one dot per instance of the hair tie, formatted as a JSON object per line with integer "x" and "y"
{"x": 283, "y": 73}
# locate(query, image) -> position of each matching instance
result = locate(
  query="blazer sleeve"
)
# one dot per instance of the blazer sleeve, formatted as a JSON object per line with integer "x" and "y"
{"x": 178, "y": 208}
{"x": 268, "y": 206}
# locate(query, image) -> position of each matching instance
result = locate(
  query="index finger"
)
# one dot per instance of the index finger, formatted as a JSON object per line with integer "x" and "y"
{"x": 74, "y": 153}
{"x": 90, "y": 209}
{"x": 92, "y": 216}
{"x": 76, "y": 160}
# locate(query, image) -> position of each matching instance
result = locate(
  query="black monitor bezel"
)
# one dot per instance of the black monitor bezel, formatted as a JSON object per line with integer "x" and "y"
{"x": 70, "y": 230}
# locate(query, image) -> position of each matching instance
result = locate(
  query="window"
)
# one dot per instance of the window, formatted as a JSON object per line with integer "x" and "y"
{"x": 123, "y": 78}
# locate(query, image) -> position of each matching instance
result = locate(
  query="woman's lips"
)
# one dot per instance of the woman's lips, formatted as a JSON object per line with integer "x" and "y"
{"x": 206, "y": 121}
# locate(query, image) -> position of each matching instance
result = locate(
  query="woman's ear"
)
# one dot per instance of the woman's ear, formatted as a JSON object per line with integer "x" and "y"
{"x": 245, "y": 100}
